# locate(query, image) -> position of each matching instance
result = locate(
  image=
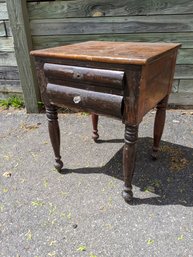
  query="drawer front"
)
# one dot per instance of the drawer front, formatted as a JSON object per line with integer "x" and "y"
{"x": 107, "y": 81}
{"x": 79, "y": 99}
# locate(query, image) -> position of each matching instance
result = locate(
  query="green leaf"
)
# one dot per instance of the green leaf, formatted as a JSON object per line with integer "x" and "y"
{"x": 29, "y": 235}
{"x": 150, "y": 241}
{"x": 92, "y": 255}
{"x": 37, "y": 203}
{"x": 45, "y": 183}
{"x": 81, "y": 248}
{"x": 181, "y": 237}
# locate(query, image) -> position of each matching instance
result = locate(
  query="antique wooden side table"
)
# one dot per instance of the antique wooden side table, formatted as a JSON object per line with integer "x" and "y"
{"x": 119, "y": 79}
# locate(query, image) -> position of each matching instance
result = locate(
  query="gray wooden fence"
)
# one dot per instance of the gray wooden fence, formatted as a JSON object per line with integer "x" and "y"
{"x": 9, "y": 75}
{"x": 53, "y": 23}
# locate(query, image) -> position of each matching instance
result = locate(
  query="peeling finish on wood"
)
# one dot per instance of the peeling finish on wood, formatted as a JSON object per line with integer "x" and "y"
{"x": 19, "y": 23}
{"x": 91, "y": 8}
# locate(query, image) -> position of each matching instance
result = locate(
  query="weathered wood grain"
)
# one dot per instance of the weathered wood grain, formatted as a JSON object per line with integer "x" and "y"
{"x": 186, "y": 86}
{"x": 185, "y": 56}
{"x": 5, "y": 95}
{"x": 186, "y": 39}
{"x": 6, "y": 44}
{"x": 184, "y": 72}
{"x": 181, "y": 100}
{"x": 3, "y": 11}
{"x": 7, "y": 59}
{"x": 182, "y": 86}
{"x": 90, "y": 8}
{"x": 174, "y": 23}
{"x": 10, "y": 86}
{"x": 9, "y": 73}
{"x": 22, "y": 40}
{"x": 5, "y": 30}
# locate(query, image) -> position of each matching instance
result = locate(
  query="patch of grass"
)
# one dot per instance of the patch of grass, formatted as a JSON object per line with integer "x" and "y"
{"x": 13, "y": 101}
{"x": 178, "y": 161}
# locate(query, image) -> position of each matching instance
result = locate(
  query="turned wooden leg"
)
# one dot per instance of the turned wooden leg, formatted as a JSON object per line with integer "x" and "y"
{"x": 159, "y": 125}
{"x": 129, "y": 153}
{"x": 95, "y": 134}
{"x": 54, "y": 132}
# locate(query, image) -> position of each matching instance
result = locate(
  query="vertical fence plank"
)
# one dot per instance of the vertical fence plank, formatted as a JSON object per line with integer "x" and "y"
{"x": 22, "y": 42}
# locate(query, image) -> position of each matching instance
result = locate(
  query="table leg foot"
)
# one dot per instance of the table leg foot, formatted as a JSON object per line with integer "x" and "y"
{"x": 58, "y": 164}
{"x": 95, "y": 134}
{"x": 127, "y": 194}
{"x": 154, "y": 154}
{"x": 129, "y": 153}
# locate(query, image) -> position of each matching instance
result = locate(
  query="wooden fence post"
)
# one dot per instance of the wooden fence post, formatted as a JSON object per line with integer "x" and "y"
{"x": 19, "y": 23}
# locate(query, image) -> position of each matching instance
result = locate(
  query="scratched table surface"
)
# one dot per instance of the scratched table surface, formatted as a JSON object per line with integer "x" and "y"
{"x": 110, "y": 52}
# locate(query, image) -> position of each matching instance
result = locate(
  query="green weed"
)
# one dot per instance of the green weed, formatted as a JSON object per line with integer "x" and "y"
{"x": 12, "y": 101}
{"x": 81, "y": 248}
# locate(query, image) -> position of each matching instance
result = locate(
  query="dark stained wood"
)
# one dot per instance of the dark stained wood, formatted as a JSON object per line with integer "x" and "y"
{"x": 54, "y": 132}
{"x": 132, "y": 95}
{"x": 95, "y": 134}
{"x": 89, "y": 101}
{"x": 158, "y": 82}
{"x": 87, "y": 86}
{"x": 129, "y": 153}
{"x": 110, "y": 52}
{"x": 159, "y": 125}
{"x": 86, "y": 75}
{"x": 42, "y": 81}
{"x": 143, "y": 71}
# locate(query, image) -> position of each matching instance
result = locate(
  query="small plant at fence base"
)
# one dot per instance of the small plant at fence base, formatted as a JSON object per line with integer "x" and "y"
{"x": 12, "y": 101}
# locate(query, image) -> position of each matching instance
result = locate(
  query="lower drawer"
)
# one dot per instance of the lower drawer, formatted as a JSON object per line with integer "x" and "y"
{"x": 90, "y": 101}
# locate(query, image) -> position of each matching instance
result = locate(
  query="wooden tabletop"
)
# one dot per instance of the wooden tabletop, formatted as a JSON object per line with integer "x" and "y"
{"x": 111, "y": 52}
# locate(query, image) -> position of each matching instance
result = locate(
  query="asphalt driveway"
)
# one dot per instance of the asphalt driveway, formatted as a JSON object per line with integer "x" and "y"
{"x": 81, "y": 212}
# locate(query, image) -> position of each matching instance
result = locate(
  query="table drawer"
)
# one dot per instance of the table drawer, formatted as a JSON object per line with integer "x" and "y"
{"x": 80, "y": 99}
{"x": 107, "y": 81}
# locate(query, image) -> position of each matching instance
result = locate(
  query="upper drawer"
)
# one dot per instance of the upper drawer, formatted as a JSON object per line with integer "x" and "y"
{"x": 68, "y": 75}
